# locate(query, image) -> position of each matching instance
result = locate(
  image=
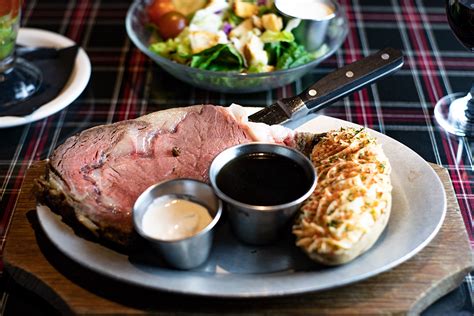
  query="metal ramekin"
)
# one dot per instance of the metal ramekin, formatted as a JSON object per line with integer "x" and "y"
{"x": 186, "y": 253}
{"x": 256, "y": 224}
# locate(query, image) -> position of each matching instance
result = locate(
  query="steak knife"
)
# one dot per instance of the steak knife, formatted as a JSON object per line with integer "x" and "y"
{"x": 332, "y": 87}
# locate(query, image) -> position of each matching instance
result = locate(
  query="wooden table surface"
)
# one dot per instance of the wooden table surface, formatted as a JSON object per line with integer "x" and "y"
{"x": 34, "y": 263}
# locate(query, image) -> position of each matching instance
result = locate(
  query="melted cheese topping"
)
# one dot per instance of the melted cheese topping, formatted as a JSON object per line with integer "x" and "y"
{"x": 352, "y": 192}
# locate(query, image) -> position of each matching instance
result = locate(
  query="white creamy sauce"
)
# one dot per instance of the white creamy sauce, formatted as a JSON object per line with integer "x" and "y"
{"x": 171, "y": 218}
{"x": 305, "y": 9}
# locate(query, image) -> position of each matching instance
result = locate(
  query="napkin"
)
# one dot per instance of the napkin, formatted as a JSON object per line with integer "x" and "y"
{"x": 56, "y": 66}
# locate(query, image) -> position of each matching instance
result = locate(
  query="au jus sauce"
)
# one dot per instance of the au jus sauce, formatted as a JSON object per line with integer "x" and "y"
{"x": 263, "y": 179}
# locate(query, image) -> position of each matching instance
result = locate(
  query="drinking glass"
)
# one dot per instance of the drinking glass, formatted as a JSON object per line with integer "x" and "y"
{"x": 455, "y": 112}
{"x": 19, "y": 79}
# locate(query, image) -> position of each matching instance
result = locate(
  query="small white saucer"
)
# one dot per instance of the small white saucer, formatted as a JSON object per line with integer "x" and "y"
{"x": 72, "y": 89}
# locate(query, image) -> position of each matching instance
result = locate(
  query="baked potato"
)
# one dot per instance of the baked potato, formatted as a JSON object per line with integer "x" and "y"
{"x": 351, "y": 203}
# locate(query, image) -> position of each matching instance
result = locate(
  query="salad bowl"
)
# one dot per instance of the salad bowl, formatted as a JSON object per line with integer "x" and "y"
{"x": 141, "y": 34}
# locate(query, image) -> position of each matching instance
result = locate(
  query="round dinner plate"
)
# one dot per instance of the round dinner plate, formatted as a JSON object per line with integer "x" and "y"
{"x": 238, "y": 270}
{"x": 72, "y": 89}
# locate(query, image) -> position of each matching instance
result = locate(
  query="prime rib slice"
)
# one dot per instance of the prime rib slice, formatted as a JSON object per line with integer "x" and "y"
{"x": 94, "y": 177}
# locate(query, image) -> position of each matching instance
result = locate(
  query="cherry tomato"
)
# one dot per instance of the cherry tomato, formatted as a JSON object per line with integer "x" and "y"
{"x": 5, "y": 7}
{"x": 171, "y": 24}
{"x": 159, "y": 8}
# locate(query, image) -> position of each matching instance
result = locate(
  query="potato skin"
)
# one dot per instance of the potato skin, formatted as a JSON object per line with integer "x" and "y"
{"x": 350, "y": 207}
{"x": 365, "y": 243}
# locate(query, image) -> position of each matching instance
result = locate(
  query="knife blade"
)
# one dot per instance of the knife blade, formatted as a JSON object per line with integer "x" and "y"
{"x": 332, "y": 87}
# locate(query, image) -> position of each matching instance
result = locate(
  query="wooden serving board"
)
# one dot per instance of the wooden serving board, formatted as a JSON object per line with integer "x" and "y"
{"x": 34, "y": 263}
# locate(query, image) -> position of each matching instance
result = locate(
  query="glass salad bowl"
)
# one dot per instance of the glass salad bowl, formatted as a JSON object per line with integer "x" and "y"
{"x": 140, "y": 33}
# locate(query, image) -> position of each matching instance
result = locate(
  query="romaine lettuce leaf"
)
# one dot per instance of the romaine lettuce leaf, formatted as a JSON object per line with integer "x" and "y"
{"x": 274, "y": 51}
{"x": 177, "y": 49}
{"x": 272, "y": 36}
{"x": 284, "y": 55}
{"x": 222, "y": 57}
{"x": 260, "y": 68}
{"x": 293, "y": 55}
{"x": 233, "y": 19}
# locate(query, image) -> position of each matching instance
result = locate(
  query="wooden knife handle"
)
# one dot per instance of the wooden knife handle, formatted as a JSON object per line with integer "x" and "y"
{"x": 333, "y": 86}
{"x": 352, "y": 77}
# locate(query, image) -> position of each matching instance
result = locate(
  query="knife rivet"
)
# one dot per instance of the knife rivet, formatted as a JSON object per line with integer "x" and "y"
{"x": 385, "y": 56}
{"x": 312, "y": 92}
{"x": 349, "y": 74}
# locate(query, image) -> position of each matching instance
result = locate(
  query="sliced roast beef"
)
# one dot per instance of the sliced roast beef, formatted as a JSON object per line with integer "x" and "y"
{"x": 96, "y": 176}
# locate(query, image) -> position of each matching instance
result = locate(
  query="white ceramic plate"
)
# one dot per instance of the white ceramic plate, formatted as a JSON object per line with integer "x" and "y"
{"x": 237, "y": 270}
{"x": 73, "y": 88}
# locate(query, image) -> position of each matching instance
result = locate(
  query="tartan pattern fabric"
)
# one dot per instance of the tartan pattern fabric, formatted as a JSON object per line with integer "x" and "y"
{"x": 126, "y": 84}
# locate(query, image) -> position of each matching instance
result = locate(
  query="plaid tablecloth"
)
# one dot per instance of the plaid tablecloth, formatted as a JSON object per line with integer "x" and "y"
{"x": 126, "y": 84}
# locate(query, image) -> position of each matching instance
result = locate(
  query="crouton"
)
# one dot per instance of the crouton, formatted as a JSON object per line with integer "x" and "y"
{"x": 241, "y": 29}
{"x": 254, "y": 52}
{"x": 272, "y": 22}
{"x": 187, "y": 7}
{"x": 202, "y": 40}
{"x": 257, "y": 22}
{"x": 244, "y": 9}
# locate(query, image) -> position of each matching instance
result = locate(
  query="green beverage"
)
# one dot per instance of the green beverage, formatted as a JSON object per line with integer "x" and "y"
{"x": 19, "y": 79}
{"x": 8, "y": 32}
{"x": 9, "y": 22}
